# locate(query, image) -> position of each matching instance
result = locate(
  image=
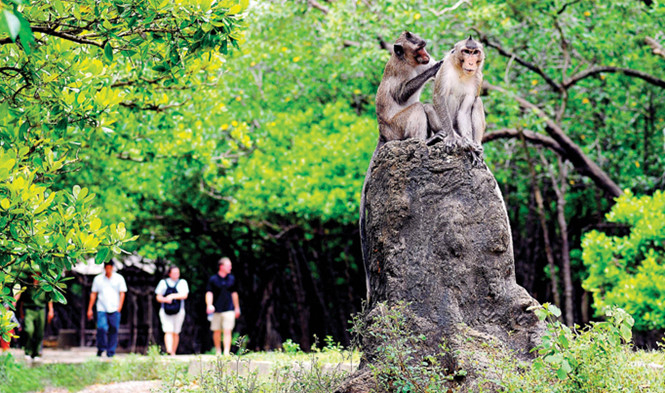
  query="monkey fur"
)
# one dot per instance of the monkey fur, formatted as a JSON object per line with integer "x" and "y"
{"x": 456, "y": 97}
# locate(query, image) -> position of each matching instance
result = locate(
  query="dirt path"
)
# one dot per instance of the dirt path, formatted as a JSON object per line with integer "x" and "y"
{"x": 118, "y": 387}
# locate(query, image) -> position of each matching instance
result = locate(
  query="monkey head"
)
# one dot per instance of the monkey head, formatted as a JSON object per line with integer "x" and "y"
{"x": 411, "y": 48}
{"x": 470, "y": 56}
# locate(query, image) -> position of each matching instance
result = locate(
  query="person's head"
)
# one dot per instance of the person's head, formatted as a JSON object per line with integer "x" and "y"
{"x": 108, "y": 268}
{"x": 224, "y": 266}
{"x": 173, "y": 272}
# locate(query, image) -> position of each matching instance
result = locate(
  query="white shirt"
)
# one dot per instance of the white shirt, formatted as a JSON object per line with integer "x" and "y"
{"x": 182, "y": 288}
{"x": 108, "y": 291}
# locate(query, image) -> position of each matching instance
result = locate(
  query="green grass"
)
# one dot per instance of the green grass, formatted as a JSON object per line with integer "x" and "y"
{"x": 18, "y": 377}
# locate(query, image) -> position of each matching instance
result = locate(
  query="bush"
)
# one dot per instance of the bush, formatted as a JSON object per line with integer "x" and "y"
{"x": 629, "y": 271}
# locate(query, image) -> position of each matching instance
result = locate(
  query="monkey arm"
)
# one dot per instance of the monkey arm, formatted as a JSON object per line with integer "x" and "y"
{"x": 478, "y": 120}
{"x": 408, "y": 89}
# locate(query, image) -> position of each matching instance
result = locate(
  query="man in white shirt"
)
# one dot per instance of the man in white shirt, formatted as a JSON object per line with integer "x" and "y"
{"x": 108, "y": 291}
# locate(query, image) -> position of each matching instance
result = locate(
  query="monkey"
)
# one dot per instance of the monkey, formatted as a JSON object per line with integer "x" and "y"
{"x": 456, "y": 96}
{"x": 399, "y": 112}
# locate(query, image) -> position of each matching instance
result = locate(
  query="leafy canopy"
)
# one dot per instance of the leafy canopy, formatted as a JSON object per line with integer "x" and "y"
{"x": 75, "y": 75}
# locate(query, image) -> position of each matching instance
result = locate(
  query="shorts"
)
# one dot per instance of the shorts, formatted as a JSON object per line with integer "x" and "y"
{"x": 223, "y": 320}
{"x": 172, "y": 323}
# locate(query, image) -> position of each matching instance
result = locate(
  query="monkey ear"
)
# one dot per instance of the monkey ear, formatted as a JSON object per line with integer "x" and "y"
{"x": 399, "y": 50}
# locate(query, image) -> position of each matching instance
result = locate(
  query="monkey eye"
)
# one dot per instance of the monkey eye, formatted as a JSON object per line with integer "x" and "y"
{"x": 466, "y": 51}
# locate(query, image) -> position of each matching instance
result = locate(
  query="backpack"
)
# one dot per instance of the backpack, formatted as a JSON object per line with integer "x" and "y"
{"x": 173, "y": 307}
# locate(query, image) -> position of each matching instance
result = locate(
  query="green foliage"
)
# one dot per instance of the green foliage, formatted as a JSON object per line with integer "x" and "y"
{"x": 289, "y": 346}
{"x": 629, "y": 271}
{"x": 76, "y": 76}
{"x": 398, "y": 364}
{"x": 595, "y": 359}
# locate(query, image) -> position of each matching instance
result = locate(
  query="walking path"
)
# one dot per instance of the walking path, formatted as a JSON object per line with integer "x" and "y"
{"x": 196, "y": 364}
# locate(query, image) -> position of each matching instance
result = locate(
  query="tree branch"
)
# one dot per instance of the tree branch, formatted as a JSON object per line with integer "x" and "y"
{"x": 626, "y": 71}
{"x": 574, "y": 153}
{"x": 318, "y": 6}
{"x": 485, "y": 40}
{"x": 655, "y": 46}
{"x": 530, "y": 136}
{"x": 67, "y": 35}
{"x": 451, "y": 8}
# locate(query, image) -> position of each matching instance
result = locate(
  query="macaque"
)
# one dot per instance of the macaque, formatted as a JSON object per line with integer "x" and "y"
{"x": 399, "y": 112}
{"x": 456, "y": 95}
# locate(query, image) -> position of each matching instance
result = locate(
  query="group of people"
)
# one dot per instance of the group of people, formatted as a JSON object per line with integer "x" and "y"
{"x": 108, "y": 295}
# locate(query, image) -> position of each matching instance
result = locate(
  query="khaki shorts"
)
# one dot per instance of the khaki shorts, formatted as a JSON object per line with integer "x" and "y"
{"x": 223, "y": 320}
{"x": 172, "y": 323}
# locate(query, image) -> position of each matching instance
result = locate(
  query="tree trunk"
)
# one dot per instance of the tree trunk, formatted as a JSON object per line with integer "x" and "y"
{"x": 540, "y": 206}
{"x": 440, "y": 242}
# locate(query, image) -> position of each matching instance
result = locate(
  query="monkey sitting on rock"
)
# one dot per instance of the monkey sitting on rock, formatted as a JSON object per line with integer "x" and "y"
{"x": 399, "y": 112}
{"x": 456, "y": 98}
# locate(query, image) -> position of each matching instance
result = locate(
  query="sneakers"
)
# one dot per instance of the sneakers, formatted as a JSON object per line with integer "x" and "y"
{"x": 99, "y": 352}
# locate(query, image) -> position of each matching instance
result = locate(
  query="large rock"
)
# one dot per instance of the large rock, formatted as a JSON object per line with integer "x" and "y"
{"x": 439, "y": 239}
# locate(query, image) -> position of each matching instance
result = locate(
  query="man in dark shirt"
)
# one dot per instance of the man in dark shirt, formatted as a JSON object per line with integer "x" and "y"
{"x": 222, "y": 302}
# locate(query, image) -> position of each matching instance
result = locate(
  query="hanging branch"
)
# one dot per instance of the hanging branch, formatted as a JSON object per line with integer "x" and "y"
{"x": 485, "y": 40}
{"x": 540, "y": 206}
{"x": 574, "y": 153}
{"x": 560, "y": 186}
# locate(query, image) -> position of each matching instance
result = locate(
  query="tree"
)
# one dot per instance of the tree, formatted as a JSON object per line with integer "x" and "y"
{"x": 629, "y": 271}
{"x": 75, "y": 75}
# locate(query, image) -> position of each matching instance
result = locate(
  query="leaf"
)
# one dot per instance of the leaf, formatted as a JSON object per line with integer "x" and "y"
{"x": 95, "y": 224}
{"x": 25, "y": 34}
{"x": 10, "y": 24}
{"x": 108, "y": 51}
{"x": 101, "y": 255}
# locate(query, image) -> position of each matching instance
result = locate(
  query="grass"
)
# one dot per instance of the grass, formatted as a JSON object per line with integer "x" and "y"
{"x": 18, "y": 377}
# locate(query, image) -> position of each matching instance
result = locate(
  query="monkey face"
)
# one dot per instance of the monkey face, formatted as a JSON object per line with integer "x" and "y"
{"x": 470, "y": 56}
{"x": 471, "y": 61}
{"x": 421, "y": 56}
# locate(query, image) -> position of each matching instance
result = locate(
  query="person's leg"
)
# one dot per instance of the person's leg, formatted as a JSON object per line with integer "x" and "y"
{"x": 176, "y": 340}
{"x": 29, "y": 329}
{"x": 114, "y": 325}
{"x": 178, "y": 320}
{"x": 217, "y": 340}
{"x": 216, "y": 327}
{"x": 228, "y": 335}
{"x": 102, "y": 331}
{"x": 40, "y": 324}
{"x": 168, "y": 342}
{"x": 228, "y": 323}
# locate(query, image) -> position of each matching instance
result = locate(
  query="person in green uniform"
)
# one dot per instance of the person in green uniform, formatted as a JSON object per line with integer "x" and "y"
{"x": 34, "y": 322}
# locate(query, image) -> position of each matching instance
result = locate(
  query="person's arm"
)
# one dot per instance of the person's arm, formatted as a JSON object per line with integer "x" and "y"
{"x": 182, "y": 293}
{"x": 159, "y": 291}
{"x": 236, "y": 303}
{"x": 93, "y": 298}
{"x": 51, "y": 314}
{"x": 209, "y": 306}
{"x": 122, "y": 301}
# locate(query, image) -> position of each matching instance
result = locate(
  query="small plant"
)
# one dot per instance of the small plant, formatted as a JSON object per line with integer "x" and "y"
{"x": 397, "y": 363}
{"x": 291, "y": 347}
